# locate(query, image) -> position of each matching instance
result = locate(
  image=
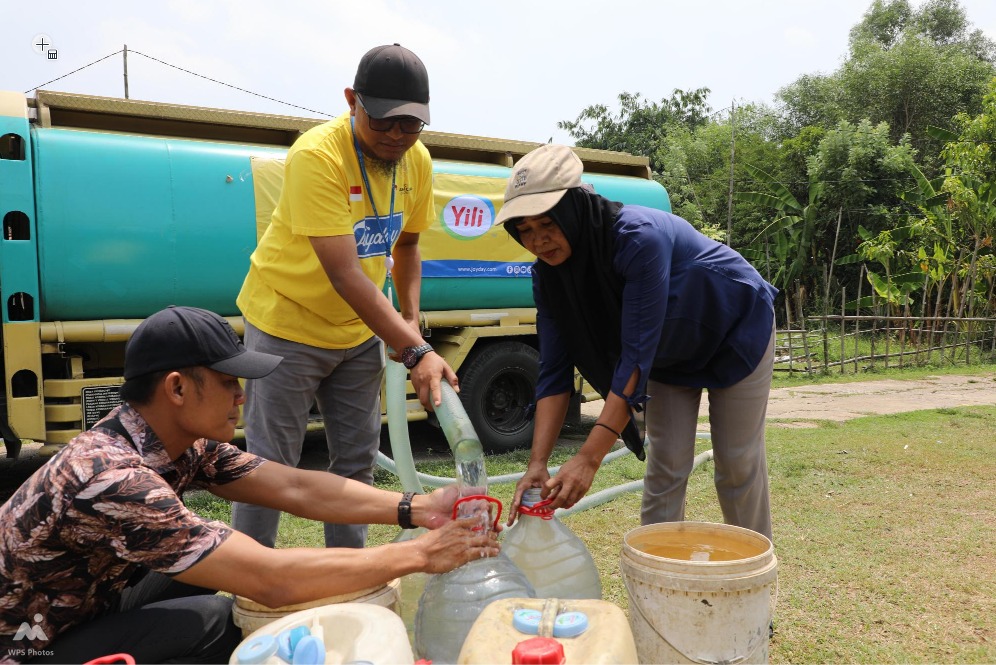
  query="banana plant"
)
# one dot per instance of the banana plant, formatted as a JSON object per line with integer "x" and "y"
{"x": 933, "y": 226}
{"x": 884, "y": 249}
{"x": 793, "y": 234}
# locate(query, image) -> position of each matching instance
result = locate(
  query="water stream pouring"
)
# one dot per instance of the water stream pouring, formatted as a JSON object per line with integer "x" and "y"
{"x": 452, "y": 602}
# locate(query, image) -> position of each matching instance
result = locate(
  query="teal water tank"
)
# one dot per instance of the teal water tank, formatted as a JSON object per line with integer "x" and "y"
{"x": 130, "y": 224}
{"x": 127, "y": 225}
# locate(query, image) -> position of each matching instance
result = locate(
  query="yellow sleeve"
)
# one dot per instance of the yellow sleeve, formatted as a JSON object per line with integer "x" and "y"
{"x": 423, "y": 210}
{"x": 317, "y": 195}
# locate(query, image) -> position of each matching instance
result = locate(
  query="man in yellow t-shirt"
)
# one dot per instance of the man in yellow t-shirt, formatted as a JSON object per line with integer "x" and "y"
{"x": 357, "y": 191}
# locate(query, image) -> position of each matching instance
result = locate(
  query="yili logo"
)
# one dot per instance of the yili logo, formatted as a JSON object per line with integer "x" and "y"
{"x": 468, "y": 216}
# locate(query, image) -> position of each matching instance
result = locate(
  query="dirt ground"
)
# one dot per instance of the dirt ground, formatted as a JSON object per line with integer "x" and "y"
{"x": 799, "y": 406}
{"x": 802, "y": 406}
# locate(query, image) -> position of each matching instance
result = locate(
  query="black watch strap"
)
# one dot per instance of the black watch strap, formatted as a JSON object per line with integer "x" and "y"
{"x": 405, "y": 511}
{"x": 410, "y": 355}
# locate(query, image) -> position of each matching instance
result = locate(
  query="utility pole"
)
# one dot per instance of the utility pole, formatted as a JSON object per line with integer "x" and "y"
{"x": 733, "y": 144}
{"x": 126, "y": 70}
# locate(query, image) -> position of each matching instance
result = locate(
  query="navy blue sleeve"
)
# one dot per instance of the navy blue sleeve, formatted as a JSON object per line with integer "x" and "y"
{"x": 643, "y": 258}
{"x": 556, "y": 371}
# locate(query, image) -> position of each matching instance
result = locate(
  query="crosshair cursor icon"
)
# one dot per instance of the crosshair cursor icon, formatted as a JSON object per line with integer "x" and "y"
{"x": 42, "y": 46}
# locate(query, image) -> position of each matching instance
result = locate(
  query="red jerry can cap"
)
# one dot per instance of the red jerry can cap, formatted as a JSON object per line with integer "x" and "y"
{"x": 538, "y": 651}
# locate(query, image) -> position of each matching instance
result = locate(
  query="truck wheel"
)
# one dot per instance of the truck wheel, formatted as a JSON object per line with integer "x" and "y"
{"x": 496, "y": 386}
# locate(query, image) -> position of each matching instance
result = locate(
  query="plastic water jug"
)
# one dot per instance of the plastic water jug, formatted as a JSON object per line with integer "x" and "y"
{"x": 250, "y": 615}
{"x": 555, "y": 561}
{"x": 412, "y": 585}
{"x": 343, "y": 633}
{"x": 550, "y": 630}
{"x": 452, "y": 602}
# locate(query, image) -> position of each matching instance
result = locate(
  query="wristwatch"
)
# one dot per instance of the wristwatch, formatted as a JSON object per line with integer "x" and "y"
{"x": 405, "y": 511}
{"x": 410, "y": 355}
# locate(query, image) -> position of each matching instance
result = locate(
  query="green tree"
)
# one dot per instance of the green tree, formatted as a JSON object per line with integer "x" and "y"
{"x": 908, "y": 68}
{"x": 864, "y": 175}
{"x": 695, "y": 166}
{"x": 792, "y": 239}
{"x": 640, "y": 126}
{"x": 972, "y": 189}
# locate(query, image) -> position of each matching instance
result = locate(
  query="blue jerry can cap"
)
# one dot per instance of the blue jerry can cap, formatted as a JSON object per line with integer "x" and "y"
{"x": 527, "y": 621}
{"x": 256, "y": 650}
{"x": 570, "y": 624}
{"x": 309, "y": 651}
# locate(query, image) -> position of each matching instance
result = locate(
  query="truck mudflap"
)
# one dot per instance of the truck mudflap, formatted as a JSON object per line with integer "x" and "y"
{"x": 11, "y": 442}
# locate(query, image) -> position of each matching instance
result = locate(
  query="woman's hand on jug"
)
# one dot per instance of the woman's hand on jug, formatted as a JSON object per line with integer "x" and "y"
{"x": 536, "y": 475}
{"x": 571, "y": 483}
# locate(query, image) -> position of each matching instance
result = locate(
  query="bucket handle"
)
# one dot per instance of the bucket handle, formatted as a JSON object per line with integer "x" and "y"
{"x": 733, "y": 661}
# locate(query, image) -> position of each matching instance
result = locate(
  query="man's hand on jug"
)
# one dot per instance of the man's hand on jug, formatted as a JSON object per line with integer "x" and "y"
{"x": 453, "y": 545}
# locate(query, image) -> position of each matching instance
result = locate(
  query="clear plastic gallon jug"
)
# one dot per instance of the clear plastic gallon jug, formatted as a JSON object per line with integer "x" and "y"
{"x": 452, "y": 602}
{"x": 553, "y": 558}
{"x": 412, "y": 585}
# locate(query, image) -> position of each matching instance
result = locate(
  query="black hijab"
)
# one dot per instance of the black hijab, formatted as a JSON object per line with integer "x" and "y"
{"x": 584, "y": 293}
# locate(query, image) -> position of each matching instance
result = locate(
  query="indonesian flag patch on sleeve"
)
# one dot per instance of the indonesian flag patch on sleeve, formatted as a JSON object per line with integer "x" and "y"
{"x": 355, "y": 193}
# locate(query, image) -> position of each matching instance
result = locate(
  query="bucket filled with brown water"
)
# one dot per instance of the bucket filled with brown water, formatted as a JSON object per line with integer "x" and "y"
{"x": 699, "y": 592}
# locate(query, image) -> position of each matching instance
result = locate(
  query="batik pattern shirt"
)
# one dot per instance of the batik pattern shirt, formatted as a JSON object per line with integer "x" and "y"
{"x": 99, "y": 511}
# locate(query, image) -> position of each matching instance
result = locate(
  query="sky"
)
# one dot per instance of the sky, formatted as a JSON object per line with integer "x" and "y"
{"x": 509, "y": 69}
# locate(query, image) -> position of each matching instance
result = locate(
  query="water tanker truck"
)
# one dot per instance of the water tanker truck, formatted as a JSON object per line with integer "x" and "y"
{"x": 113, "y": 209}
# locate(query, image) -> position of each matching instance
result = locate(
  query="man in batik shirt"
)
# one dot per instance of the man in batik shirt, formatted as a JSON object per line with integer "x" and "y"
{"x": 99, "y": 555}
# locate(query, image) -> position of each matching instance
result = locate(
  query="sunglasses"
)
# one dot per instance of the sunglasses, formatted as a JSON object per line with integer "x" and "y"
{"x": 407, "y": 123}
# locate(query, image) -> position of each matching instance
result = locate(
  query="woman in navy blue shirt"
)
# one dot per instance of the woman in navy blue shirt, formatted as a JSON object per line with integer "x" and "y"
{"x": 650, "y": 311}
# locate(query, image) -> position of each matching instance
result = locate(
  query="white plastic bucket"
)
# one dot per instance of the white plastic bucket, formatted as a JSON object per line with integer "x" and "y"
{"x": 251, "y": 616}
{"x": 687, "y": 608}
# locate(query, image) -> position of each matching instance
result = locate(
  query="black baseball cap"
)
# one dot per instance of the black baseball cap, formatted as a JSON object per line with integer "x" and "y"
{"x": 392, "y": 81}
{"x": 178, "y": 337}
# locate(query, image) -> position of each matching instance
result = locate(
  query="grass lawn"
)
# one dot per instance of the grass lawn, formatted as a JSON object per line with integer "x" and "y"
{"x": 884, "y": 527}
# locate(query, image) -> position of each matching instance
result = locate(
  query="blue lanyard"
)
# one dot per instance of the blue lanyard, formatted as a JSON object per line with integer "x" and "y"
{"x": 384, "y": 229}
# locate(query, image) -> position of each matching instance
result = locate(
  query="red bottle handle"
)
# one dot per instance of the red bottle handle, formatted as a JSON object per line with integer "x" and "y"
{"x": 538, "y": 509}
{"x": 480, "y": 497}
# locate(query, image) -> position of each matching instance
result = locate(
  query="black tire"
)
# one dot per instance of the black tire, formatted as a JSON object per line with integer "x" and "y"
{"x": 496, "y": 385}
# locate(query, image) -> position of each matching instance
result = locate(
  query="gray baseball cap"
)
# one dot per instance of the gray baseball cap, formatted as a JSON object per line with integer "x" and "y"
{"x": 392, "y": 81}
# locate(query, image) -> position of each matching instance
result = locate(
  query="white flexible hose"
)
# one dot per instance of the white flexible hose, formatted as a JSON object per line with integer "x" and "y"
{"x": 397, "y": 429}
